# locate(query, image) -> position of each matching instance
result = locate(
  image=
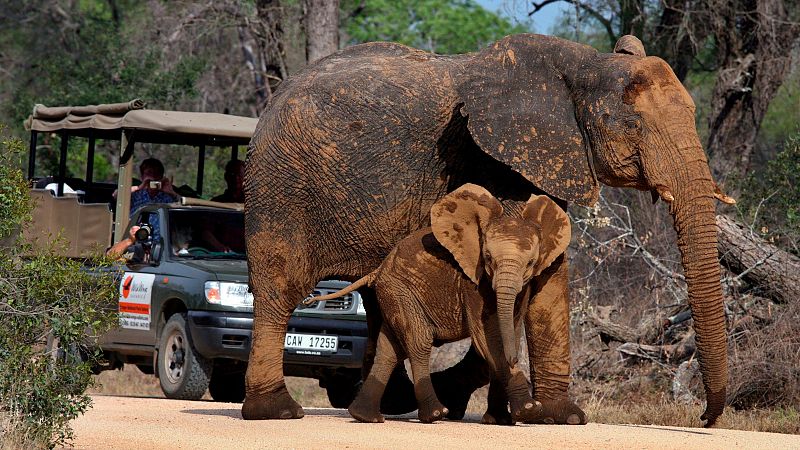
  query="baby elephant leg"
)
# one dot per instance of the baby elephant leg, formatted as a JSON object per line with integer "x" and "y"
{"x": 418, "y": 346}
{"x": 523, "y": 407}
{"x": 497, "y": 405}
{"x": 366, "y": 406}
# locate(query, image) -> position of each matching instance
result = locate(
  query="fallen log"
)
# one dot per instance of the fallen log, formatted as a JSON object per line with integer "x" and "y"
{"x": 774, "y": 272}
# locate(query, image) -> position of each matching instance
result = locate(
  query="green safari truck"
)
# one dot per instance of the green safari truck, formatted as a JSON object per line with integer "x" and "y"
{"x": 185, "y": 310}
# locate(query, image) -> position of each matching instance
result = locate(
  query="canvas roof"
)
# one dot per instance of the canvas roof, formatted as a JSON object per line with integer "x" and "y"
{"x": 106, "y": 122}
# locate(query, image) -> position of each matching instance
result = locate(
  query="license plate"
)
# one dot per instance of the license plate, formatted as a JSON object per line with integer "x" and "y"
{"x": 301, "y": 343}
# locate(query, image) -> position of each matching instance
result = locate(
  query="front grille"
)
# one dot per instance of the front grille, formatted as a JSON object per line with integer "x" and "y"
{"x": 346, "y": 304}
{"x": 233, "y": 340}
{"x": 339, "y": 304}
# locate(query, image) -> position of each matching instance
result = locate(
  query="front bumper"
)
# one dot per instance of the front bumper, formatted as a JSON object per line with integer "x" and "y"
{"x": 218, "y": 334}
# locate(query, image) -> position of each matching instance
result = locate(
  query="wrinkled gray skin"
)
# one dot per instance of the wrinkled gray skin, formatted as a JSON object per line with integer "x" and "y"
{"x": 354, "y": 150}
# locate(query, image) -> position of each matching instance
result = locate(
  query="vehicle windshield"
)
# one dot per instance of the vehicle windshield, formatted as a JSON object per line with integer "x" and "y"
{"x": 204, "y": 233}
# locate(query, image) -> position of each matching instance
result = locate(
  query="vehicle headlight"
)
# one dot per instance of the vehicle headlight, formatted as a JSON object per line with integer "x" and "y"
{"x": 228, "y": 294}
{"x": 360, "y": 309}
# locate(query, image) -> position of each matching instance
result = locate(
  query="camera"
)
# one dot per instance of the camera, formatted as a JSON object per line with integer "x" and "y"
{"x": 155, "y": 185}
{"x": 144, "y": 232}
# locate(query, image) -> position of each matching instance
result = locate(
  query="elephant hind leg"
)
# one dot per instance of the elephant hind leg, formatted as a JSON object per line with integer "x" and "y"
{"x": 418, "y": 340}
{"x": 366, "y": 406}
{"x": 277, "y": 291}
{"x": 398, "y": 397}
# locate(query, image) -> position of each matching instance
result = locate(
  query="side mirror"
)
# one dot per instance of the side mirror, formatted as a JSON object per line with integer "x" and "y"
{"x": 155, "y": 251}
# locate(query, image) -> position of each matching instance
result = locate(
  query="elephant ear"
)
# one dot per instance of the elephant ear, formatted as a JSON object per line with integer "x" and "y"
{"x": 556, "y": 229}
{"x": 520, "y": 112}
{"x": 457, "y": 220}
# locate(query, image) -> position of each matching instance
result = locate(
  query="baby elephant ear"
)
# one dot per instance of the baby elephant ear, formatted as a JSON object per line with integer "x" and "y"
{"x": 630, "y": 45}
{"x": 457, "y": 220}
{"x": 556, "y": 229}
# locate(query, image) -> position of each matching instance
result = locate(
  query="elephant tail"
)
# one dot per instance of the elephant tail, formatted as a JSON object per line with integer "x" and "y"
{"x": 366, "y": 280}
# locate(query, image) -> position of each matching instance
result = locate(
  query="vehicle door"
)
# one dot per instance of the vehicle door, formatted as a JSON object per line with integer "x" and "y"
{"x": 141, "y": 286}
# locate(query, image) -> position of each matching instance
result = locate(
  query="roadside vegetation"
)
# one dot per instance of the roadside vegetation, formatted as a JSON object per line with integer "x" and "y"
{"x": 47, "y": 305}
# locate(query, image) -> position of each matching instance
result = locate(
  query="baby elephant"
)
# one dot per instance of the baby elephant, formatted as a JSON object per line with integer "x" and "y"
{"x": 462, "y": 277}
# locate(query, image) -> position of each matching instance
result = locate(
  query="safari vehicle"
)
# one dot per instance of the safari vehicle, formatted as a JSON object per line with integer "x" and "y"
{"x": 185, "y": 311}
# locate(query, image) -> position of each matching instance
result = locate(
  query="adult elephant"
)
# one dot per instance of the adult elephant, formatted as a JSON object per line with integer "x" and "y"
{"x": 353, "y": 151}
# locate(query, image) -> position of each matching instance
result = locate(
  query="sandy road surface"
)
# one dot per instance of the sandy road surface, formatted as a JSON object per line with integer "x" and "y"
{"x": 153, "y": 423}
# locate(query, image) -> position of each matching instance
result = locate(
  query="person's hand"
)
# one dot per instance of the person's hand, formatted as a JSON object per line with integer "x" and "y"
{"x": 166, "y": 186}
{"x": 132, "y": 233}
{"x": 145, "y": 185}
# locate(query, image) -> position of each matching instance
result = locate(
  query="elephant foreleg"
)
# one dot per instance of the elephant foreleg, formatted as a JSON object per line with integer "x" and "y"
{"x": 547, "y": 331}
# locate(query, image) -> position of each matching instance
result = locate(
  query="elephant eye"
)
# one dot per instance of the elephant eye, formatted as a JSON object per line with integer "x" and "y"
{"x": 633, "y": 127}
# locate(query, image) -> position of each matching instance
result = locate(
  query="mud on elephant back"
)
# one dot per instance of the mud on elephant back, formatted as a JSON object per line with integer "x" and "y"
{"x": 352, "y": 153}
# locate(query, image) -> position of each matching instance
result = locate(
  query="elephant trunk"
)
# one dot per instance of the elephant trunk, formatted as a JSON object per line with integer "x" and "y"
{"x": 694, "y": 220}
{"x": 507, "y": 285}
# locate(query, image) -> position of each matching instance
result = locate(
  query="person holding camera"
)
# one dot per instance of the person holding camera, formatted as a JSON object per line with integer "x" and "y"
{"x": 118, "y": 249}
{"x": 155, "y": 187}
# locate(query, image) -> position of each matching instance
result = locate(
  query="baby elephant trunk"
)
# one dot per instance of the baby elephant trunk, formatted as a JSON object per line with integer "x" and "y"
{"x": 507, "y": 287}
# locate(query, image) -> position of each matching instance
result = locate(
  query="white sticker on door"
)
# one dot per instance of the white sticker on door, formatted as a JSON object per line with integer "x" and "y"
{"x": 135, "y": 292}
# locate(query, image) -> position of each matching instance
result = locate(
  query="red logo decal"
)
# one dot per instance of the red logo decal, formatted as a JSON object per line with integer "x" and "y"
{"x": 126, "y": 286}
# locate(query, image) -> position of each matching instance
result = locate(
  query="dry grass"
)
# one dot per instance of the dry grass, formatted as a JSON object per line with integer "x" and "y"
{"x": 16, "y": 436}
{"x": 668, "y": 413}
{"x": 128, "y": 381}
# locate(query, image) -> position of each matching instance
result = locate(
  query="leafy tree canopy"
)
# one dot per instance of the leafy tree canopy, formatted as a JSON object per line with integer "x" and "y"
{"x": 440, "y": 26}
{"x": 87, "y": 53}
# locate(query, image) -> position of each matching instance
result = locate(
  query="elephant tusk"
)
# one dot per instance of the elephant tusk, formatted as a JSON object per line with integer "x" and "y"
{"x": 725, "y": 199}
{"x": 719, "y": 195}
{"x": 665, "y": 194}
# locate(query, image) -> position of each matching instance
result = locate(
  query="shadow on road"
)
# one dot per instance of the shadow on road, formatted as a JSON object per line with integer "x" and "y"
{"x": 652, "y": 427}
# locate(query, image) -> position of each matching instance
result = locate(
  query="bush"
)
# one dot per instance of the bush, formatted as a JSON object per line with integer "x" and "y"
{"x": 770, "y": 198}
{"x": 48, "y": 303}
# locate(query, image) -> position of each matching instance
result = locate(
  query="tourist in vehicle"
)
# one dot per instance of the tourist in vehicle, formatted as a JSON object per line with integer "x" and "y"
{"x": 155, "y": 187}
{"x": 234, "y": 178}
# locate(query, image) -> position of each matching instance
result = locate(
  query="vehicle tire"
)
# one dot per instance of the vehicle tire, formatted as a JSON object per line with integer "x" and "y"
{"x": 342, "y": 390}
{"x": 227, "y": 387}
{"x": 182, "y": 373}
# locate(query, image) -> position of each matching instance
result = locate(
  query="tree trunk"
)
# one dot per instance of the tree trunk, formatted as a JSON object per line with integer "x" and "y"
{"x": 754, "y": 41}
{"x": 680, "y": 31}
{"x": 322, "y": 28}
{"x": 261, "y": 41}
{"x": 775, "y": 273}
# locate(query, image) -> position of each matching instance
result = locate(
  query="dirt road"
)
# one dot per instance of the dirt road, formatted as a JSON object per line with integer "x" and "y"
{"x": 152, "y": 423}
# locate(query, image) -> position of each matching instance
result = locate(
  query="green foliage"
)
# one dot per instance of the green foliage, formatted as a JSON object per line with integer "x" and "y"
{"x": 48, "y": 304}
{"x": 99, "y": 59}
{"x": 771, "y": 197}
{"x": 440, "y": 26}
{"x": 14, "y": 201}
{"x": 783, "y": 116}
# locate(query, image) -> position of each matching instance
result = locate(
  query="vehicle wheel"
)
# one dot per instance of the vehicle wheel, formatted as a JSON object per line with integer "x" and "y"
{"x": 182, "y": 373}
{"x": 227, "y": 387}
{"x": 342, "y": 390}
